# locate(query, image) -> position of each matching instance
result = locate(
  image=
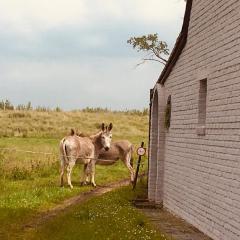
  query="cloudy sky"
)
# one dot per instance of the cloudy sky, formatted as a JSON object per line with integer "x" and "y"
{"x": 73, "y": 53}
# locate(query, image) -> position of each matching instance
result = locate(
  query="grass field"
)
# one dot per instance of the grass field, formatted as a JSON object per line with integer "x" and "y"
{"x": 29, "y": 182}
{"x": 42, "y": 131}
{"x": 109, "y": 217}
{"x": 130, "y": 125}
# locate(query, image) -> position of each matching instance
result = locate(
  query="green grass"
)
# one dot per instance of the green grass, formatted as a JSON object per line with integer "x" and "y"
{"x": 110, "y": 216}
{"x": 21, "y": 200}
{"x": 30, "y": 182}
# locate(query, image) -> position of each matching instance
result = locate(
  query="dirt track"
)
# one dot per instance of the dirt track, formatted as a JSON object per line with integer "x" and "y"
{"x": 98, "y": 191}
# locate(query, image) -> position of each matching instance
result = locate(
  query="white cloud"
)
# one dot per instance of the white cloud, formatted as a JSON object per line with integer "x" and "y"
{"x": 32, "y": 15}
{"x": 26, "y": 15}
{"x": 158, "y": 11}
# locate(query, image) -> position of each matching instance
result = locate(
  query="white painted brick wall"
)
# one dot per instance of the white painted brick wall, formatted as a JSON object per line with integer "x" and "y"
{"x": 202, "y": 173}
{"x": 152, "y": 173}
{"x": 157, "y": 136}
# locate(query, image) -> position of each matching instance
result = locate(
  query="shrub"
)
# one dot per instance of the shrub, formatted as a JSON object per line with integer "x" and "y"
{"x": 19, "y": 115}
{"x": 42, "y": 109}
{"x": 19, "y": 174}
{"x": 58, "y": 109}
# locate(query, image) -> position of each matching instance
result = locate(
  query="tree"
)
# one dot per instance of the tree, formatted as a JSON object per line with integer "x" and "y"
{"x": 8, "y": 105}
{"x": 29, "y": 106}
{"x": 156, "y": 50}
{"x": 2, "y": 105}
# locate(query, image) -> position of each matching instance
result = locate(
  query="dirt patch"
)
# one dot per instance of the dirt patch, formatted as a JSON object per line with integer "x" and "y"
{"x": 98, "y": 191}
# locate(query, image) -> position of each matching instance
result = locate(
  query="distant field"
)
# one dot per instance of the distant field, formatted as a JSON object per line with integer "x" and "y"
{"x": 29, "y": 182}
{"x": 130, "y": 125}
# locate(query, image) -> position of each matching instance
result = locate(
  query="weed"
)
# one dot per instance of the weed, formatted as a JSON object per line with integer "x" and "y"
{"x": 2, "y": 159}
{"x": 140, "y": 222}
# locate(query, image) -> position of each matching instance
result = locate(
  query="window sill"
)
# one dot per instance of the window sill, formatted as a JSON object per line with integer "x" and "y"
{"x": 201, "y": 130}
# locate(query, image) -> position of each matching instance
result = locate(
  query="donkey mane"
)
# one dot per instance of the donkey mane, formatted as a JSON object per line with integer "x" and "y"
{"x": 94, "y": 137}
{"x": 80, "y": 134}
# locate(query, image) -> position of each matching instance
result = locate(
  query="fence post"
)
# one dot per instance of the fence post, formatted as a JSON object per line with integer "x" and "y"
{"x": 138, "y": 164}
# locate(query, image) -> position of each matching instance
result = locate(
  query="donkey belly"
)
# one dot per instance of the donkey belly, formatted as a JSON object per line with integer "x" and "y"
{"x": 82, "y": 160}
{"x": 106, "y": 162}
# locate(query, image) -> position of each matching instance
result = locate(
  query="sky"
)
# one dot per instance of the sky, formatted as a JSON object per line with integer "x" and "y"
{"x": 74, "y": 53}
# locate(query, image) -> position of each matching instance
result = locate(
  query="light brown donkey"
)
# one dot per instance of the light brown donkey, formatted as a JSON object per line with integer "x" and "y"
{"x": 122, "y": 149}
{"x": 83, "y": 150}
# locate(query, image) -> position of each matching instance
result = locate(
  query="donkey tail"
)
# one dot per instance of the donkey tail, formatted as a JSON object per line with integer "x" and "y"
{"x": 63, "y": 159}
{"x": 131, "y": 153}
{"x": 63, "y": 152}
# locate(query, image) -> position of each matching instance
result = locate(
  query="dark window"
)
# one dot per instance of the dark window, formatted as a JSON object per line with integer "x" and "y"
{"x": 167, "y": 121}
{"x": 202, "y": 103}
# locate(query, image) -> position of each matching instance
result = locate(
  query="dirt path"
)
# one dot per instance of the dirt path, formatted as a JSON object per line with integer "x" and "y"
{"x": 98, "y": 191}
{"x": 173, "y": 226}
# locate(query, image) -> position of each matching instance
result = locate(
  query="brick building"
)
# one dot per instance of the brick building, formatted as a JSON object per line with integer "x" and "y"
{"x": 194, "y": 165}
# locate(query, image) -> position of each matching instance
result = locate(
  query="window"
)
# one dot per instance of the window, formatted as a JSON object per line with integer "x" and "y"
{"x": 202, "y": 107}
{"x": 167, "y": 120}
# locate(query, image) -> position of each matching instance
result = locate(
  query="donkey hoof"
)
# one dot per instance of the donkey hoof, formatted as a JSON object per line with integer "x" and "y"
{"x": 94, "y": 185}
{"x": 83, "y": 183}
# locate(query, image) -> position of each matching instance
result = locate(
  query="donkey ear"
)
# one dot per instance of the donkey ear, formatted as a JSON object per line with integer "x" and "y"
{"x": 72, "y": 132}
{"x": 103, "y": 125}
{"x": 110, "y": 127}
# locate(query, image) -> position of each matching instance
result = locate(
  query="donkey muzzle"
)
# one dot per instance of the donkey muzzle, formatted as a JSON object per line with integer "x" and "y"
{"x": 106, "y": 148}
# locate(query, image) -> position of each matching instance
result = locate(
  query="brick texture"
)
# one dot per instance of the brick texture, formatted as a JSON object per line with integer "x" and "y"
{"x": 200, "y": 179}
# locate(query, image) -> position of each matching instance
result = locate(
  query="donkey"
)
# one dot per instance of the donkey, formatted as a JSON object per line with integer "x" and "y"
{"x": 123, "y": 150}
{"x": 84, "y": 150}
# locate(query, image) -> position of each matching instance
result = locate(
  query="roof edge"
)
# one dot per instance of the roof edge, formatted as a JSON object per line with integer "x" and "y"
{"x": 179, "y": 45}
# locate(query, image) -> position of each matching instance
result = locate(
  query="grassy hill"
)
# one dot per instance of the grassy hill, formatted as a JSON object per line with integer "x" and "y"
{"x": 132, "y": 125}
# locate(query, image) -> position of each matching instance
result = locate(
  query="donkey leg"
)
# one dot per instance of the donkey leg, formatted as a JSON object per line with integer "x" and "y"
{"x": 88, "y": 172}
{"x": 69, "y": 171}
{"x": 127, "y": 162}
{"x": 61, "y": 176}
{"x": 62, "y": 166}
{"x": 84, "y": 176}
{"x": 93, "y": 163}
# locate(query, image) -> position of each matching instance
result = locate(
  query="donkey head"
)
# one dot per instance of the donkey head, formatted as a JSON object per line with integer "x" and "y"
{"x": 106, "y": 136}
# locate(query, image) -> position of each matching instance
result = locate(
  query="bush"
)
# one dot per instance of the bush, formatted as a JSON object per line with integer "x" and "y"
{"x": 19, "y": 115}
{"x": 95, "y": 110}
{"x": 19, "y": 174}
{"x": 58, "y": 109}
{"x": 42, "y": 109}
